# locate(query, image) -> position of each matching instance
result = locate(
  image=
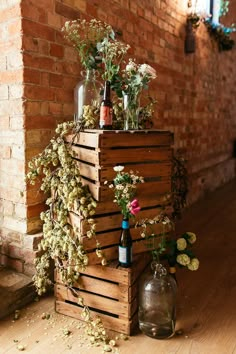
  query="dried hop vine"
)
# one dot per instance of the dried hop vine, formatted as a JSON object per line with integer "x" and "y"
{"x": 62, "y": 181}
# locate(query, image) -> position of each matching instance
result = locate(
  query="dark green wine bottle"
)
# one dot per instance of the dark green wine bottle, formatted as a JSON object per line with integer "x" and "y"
{"x": 125, "y": 245}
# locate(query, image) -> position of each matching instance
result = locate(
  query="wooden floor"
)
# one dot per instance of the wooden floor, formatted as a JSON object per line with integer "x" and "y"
{"x": 206, "y": 298}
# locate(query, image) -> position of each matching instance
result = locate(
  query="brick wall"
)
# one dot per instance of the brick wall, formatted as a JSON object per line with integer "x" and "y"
{"x": 38, "y": 71}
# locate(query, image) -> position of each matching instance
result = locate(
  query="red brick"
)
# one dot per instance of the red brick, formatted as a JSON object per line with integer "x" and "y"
{"x": 37, "y": 30}
{"x": 66, "y": 11}
{"x": 55, "y": 108}
{"x": 39, "y": 93}
{"x": 56, "y": 50}
{"x": 32, "y": 109}
{"x": 39, "y": 122}
{"x": 33, "y": 12}
{"x": 15, "y": 264}
{"x": 55, "y": 80}
{"x": 30, "y": 44}
{"x": 42, "y": 63}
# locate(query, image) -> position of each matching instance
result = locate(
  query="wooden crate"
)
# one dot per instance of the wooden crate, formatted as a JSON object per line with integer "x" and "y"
{"x": 97, "y": 152}
{"x": 110, "y": 292}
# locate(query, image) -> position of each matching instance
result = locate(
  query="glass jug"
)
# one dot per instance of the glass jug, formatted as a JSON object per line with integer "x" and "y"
{"x": 157, "y": 303}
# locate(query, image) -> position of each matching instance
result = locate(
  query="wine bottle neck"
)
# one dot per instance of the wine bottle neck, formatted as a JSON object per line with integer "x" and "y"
{"x": 125, "y": 224}
{"x": 107, "y": 90}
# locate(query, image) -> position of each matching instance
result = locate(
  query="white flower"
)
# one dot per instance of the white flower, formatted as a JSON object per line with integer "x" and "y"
{"x": 146, "y": 69}
{"x": 118, "y": 168}
{"x": 131, "y": 66}
{"x": 183, "y": 259}
{"x": 181, "y": 244}
{"x": 194, "y": 264}
{"x": 192, "y": 237}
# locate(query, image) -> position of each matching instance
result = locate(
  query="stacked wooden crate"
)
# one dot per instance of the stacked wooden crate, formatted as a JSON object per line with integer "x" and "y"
{"x": 110, "y": 292}
{"x": 148, "y": 154}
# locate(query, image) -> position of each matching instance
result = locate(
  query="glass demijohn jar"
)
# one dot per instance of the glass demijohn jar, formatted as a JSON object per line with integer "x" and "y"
{"x": 131, "y": 108}
{"x": 157, "y": 303}
{"x": 86, "y": 93}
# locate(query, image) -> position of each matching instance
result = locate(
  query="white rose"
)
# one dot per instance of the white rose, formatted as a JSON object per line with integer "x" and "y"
{"x": 194, "y": 264}
{"x": 192, "y": 237}
{"x": 146, "y": 69}
{"x": 183, "y": 259}
{"x": 181, "y": 244}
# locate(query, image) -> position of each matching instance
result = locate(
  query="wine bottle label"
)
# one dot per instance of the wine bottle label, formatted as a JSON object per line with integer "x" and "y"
{"x": 125, "y": 255}
{"x": 106, "y": 115}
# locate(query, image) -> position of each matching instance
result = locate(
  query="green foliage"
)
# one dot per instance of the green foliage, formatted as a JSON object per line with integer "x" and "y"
{"x": 221, "y": 34}
{"x": 62, "y": 183}
{"x": 179, "y": 179}
{"x": 124, "y": 186}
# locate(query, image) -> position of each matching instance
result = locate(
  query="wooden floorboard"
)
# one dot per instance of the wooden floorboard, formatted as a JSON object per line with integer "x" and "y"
{"x": 206, "y": 299}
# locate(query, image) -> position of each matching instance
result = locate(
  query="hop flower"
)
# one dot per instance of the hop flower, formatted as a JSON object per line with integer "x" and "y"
{"x": 194, "y": 264}
{"x": 183, "y": 259}
{"x": 191, "y": 237}
{"x": 181, "y": 244}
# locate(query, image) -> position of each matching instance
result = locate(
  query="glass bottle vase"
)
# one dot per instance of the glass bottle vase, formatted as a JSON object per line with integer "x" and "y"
{"x": 131, "y": 106}
{"x": 86, "y": 93}
{"x": 157, "y": 303}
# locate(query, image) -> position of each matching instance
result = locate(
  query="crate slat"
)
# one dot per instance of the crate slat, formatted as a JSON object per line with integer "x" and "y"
{"x": 137, "y": 139}
{"x": 129, "y": 155}
{"x": 96, "y": 301}
{"x": 116, "y": 324}
{"x": 110, "y": 292}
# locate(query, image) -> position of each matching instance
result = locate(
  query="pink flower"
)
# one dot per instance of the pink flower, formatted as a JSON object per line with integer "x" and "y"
{"x": 134, "y": 207}
{"x": 135, "y": 211}
{"x": 134, "y": 203}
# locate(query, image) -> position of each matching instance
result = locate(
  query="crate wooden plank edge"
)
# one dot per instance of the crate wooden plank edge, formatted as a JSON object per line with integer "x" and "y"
{"x": 148, "y": 191}
{"x": 110, "y": 306}
{"x": 141, "y": 246}
{"x": 119, "y": 325}
{"x": 102, "y": 138}
{"x": 152, "y": 169}
{"x": 112, "y": 221}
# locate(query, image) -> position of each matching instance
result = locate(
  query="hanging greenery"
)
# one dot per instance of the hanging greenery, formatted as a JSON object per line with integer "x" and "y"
{"x": 221, "y": 34}
{"x": 218, "y": 31}
{"x": 179, "y": 179}
{"x": 62, "y": 182}
{"x": 62, "y": 242}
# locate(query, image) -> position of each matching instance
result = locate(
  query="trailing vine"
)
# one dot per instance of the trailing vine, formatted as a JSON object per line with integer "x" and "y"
{"x": 179, "y": 179}
{"x": 63, "y": 242}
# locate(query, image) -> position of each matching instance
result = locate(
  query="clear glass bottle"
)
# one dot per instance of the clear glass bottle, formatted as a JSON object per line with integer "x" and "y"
{"x": 157, "y": 303}
{"x": 87, "y": 93}
{"x": 131, "y": 106}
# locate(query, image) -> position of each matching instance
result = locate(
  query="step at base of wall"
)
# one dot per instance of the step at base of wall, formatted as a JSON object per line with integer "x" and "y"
{"x": 16, "y": 291}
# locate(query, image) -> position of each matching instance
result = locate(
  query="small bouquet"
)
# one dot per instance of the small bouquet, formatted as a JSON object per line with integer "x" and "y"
{"x": 124, "y": 185}
{"x": 180, "y": 252}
